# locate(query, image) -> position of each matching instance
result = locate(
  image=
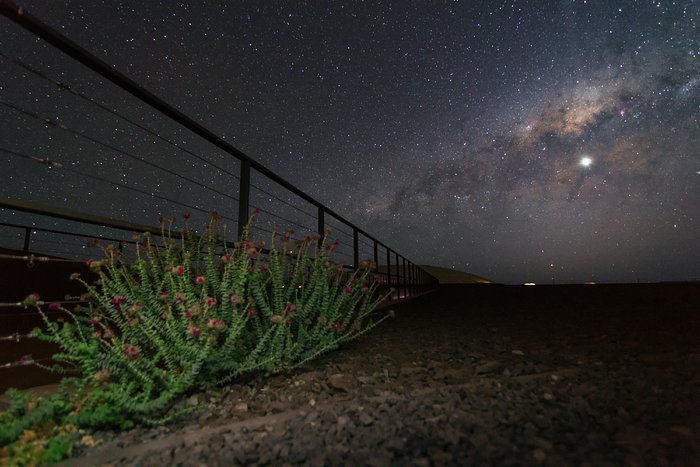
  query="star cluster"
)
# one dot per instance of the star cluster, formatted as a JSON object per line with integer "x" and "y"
{"x": 520, "y": 140}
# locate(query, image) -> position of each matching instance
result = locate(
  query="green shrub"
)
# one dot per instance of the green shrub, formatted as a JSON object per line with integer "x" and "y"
{"x": 192, "y": 314}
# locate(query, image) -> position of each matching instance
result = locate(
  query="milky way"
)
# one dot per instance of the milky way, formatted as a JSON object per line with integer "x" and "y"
{"x": 456, "y": 132}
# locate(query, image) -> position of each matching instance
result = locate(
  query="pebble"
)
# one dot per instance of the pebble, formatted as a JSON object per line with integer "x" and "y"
{"x": 489, "y": 367}
{"x": 608, "y": 415}
{"x": 538, "y": 455}
{"x": 341, "y": 382}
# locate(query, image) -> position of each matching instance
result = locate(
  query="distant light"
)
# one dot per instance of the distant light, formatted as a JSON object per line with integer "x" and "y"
{"x": 529, "y": 283}
{"x": 590, "y": 283}
{"x": 586, "y": 161}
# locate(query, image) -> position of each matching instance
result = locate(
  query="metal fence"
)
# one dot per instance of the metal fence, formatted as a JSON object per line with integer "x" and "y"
{"x": 65, "y": 231}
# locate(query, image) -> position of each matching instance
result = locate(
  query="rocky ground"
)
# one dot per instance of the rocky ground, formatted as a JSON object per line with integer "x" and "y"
{"x": 466, "y": 375}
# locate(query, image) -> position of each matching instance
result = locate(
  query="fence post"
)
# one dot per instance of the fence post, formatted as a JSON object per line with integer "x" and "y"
{"x": 388, "y": 270}
{"x": 405, "y": 282}
{"x": 27, "y": 238}
{"x": 321, "y": 223}
{"x": 398, "y": 276}
{"x": 243, "y": 197}
{"x": 376, "y": 257}
{"x": 412, "y": 276}
{"x": 355, "y": 248}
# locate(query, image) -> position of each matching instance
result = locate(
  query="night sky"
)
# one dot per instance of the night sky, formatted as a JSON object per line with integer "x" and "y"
{"x": 521, "y": 141}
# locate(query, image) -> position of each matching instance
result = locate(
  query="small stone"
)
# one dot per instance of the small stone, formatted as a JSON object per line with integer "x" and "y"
{"x": 365, "y": 418}
{"x": 342, "y": 421}
{"x": 542, "y": 443}
{"x": 341, "y": 382}
{"x": 193, "y": 400}
{"x": 312, "y": 402}
{"x": 538, "y": 455}
{"x": 480, "y": 440}
{"x": 518, "y": 352}
{"x": 240, "y": 407}
{"x": 489, "y": 367}
{"x": 682, "y": 430}
{"x": 548, "y": 396}
{"x": 555, "y": 378}
{"x": 632, "y": 436}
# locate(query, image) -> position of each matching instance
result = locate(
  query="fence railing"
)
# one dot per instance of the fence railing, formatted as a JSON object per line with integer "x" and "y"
{"x": 40, "y": 233}
{"x": 398, "y": 272}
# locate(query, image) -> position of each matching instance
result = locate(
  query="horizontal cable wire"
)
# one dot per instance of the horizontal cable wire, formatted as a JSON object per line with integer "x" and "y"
{"x": 21, "y": 362}
{"x": 102, "y": 179}
{"x": 58, "y": 125}
{"x": 40, "y": 303}
{"x": 16, "y": 337}
{"x": 283, "y": 218}
{"x": 34, "y": 258}
{"x": 281, "y": 200}
{"x": 63, "y": 86}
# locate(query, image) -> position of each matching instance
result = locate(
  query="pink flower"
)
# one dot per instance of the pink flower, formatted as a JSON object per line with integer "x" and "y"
{"x": 256, "y": 211}
{"x": 215, "y": 216}
{"x": 337, "y": 327}
{"x": 188, "y": 315}
{"x": 193, "y": 330}
{"x": 109, "y": 333}
{"x": 210, "y": 301}
{"x": 180, "y": 270}
{"x": 251, "y": 312}
{"x": 164, "y": 296}
{"x": 347, "y": 289}
{"x": 291, "y": 308}
{"x": 236, "y": 299}
{"x": 226, "y": 258}
{"x": 117, "y": 302}
{"x": 185, "y": 215}
{"x": 134, "y": 310}
{"x": 89, "y": 262}
{"x": 25, "y": 359}
{"x": 131, "y": 352}
{"x": 53, "y": 306}
{"x": 216, "y": 324}
{"x": 199, "y": 280}
{"x": 32, "y": 299}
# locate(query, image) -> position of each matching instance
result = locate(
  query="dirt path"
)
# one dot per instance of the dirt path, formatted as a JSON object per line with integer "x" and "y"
{"x": 467, "y": 375}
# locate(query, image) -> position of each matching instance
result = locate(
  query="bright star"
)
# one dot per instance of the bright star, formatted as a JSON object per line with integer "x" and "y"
{"x": 586, "y": 161}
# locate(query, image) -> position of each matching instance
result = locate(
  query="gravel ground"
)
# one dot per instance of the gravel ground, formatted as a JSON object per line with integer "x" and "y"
{"x": 466, "y": 375}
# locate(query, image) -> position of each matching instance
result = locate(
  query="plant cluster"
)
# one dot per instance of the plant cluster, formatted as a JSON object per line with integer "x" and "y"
{"x": 185, "y": 315}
